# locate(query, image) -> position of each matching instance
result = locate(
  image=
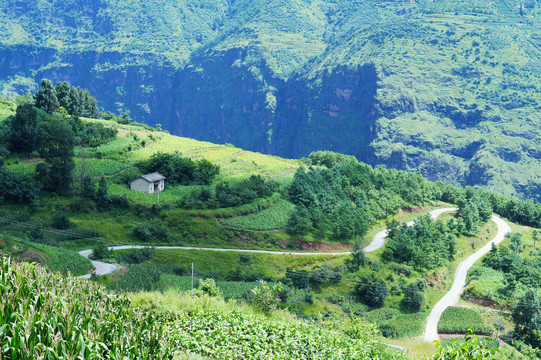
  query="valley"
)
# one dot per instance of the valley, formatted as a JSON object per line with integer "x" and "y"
{"x": 278, "y": 179}
{"x": 320, "y": 270}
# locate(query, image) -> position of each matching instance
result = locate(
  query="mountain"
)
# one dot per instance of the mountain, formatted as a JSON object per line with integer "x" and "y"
{"x": 449, "y": 88}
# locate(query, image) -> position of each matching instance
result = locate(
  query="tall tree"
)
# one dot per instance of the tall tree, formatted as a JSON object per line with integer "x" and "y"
{"x": 46, "y": 99}
{"x": 527, "y": 317}
{"x": 62, "y": 90}
{"x": 23, "y": 129}
{"x": 56, "y": 140}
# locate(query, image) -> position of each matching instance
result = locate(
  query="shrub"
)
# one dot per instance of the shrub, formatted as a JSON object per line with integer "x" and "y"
{"x": 152, "y": 232}
{"x": 371, "y": 291}
{"x": 61, "y": 220}
{"x": 265, "y": 297}
{"x": 413, "y": 299}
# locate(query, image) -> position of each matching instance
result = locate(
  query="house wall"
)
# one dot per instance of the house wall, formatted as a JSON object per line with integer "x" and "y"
{"x": 142, "y": 185}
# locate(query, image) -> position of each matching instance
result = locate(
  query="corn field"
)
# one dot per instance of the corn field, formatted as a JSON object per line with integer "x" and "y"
{"x": 46, "y": 315}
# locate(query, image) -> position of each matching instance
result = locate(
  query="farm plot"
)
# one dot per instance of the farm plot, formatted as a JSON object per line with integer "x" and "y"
{"x": 457, "y": 320}
{"x": 233, "y": 335}
{"x": 273, "y": 218}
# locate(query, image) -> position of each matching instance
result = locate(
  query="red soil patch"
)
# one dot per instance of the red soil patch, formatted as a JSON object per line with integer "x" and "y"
{"x": 416, "y": 210}
{"x": 484, "y": 302}
{"x": 435, "y": 281}
{"x": 321, "y": 247}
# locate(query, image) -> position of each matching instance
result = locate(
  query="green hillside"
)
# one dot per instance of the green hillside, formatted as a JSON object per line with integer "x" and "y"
{"x": 448, "y": 88}
{"x": 219, "y": 196}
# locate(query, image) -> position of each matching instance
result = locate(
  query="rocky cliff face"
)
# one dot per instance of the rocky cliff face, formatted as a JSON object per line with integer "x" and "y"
{"x": 422, "y": 86}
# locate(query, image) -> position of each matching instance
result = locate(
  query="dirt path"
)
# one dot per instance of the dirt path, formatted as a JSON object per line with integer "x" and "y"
{"x": 451, "y": 298}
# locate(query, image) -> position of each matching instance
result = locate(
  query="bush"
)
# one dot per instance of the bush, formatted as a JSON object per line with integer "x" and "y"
{"x": 471, "y": 347}
{"x": 413, "y": 299}
{"x": 152, "y": 232}
{"x": 61, "y": 220}
{"x": 371, "y": 291}
{"x": 208, "y": 286}
{"x": 265, "y": 297}
{"x": 101, "y": 251}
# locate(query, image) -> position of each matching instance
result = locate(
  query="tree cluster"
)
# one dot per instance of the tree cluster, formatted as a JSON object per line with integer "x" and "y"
{"x": 516, "y": 268}
{"x": 74, "y": 100}
{"x": 180, "y": 170}
{"x": 230, "y": 194}
{"x": 343, "y": 196}
{"x": 427, "y": 244}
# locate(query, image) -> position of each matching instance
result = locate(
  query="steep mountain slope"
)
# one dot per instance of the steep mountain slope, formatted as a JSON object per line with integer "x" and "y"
{"x": 450, "y": 88}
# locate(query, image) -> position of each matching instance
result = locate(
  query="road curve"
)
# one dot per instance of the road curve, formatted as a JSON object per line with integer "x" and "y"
{"x": 377, "y": 243}
{"x": 451, "y": 298}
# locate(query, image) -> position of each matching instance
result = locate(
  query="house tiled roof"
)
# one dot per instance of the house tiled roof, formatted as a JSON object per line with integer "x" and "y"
{"x": 153, "y": 177}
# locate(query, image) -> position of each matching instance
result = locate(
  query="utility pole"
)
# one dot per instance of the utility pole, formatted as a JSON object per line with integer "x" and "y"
{"x": 192, "y": 279}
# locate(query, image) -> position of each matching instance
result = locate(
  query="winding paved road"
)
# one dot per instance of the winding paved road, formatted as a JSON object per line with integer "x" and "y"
{"x": 377, "y": 243}
{"x": 451, "y": 298}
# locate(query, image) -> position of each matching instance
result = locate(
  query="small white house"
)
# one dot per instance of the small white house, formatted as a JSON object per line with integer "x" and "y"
{"x": 149, "y": 183}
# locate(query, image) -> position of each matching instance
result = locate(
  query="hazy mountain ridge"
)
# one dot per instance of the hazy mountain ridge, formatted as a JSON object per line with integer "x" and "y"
{"x": 446, "y": 87}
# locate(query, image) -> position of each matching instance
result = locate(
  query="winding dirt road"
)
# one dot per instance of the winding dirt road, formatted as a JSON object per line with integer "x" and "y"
{"x": 451, "y": 298}
{"x": 377, "y": 243}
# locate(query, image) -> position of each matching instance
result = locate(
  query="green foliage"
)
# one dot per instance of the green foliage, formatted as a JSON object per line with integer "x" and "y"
{"x": 101, "y": 251}
{"x": 413, "y": 299}
{"x": 230, "y": 194}
{"x": 329, "y": 158}
{"x": 46, "y": 99}
{"x": 427, "y": 244}
{"x": 403, "y": 326}
{"x": 371, "y": 291}
{"x": 458, "y": 320}
{"x": 49, "y": 315}
{"x": 179, "y": 169}
{"x": 527, "y": 318}
{"x": 265, "y": 297}
{"x": 140, "y": 277}
{"x": 275, "y": 217}
{"x": 135, "y": 256}
{"x": 471, "y": 347}
{"x": 484, "y": 282}
{"x": 227, "y": 289}
{"x": 17, "y": 188}
{"x": 61, "y": 220}
{"x": 55, "y": 141}
{"x": 22, "y": 137}
{"x": 517, "y": 268}
{"x": 225, "y": 335}
{"x": 152, "y": 232}
{"x": 208, "y": 286}
{"x": 357, "y": 256}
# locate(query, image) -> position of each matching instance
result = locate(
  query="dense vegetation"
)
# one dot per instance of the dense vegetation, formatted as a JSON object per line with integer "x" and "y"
{"x": 412, "y": 85}
{"x": 333, "y": 203}
{"x": 49, "y": 315}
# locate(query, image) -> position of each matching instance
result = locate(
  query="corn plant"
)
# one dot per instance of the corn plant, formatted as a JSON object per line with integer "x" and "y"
{"x": 45, "y": 315}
